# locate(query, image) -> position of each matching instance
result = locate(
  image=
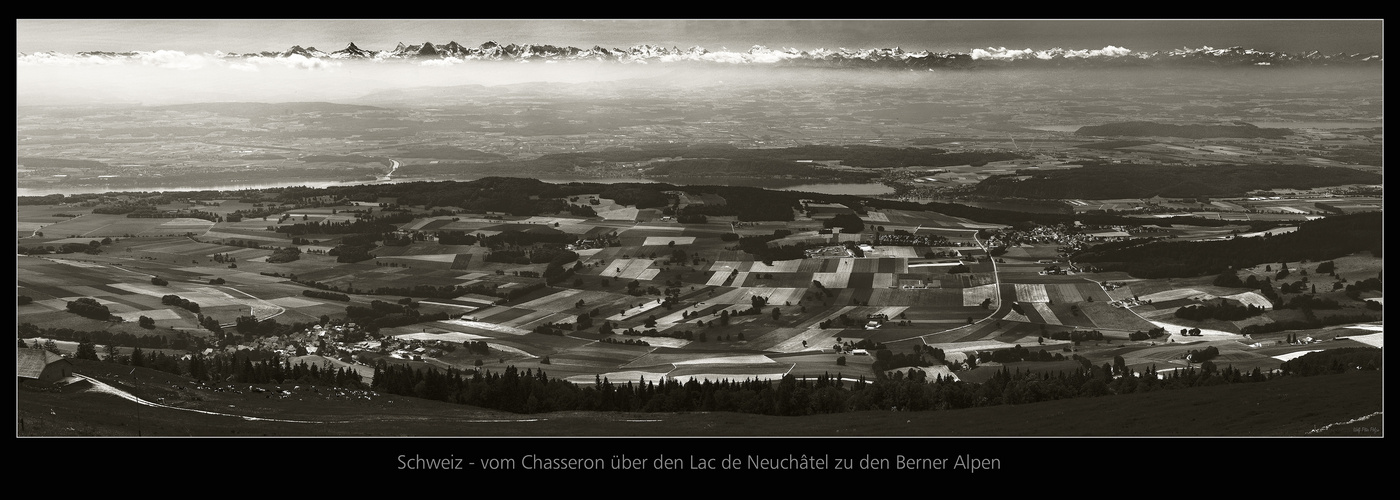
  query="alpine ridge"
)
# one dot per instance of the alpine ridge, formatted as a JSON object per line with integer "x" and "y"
{"x": 894, "y": 58}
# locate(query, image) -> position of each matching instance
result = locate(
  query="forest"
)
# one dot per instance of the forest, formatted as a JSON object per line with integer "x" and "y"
{"x": 1100, "y": 181}
{"x": 1316, "y": 240}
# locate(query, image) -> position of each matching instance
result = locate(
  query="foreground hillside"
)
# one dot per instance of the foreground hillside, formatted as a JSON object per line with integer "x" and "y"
{"x": 1291, "y": 406}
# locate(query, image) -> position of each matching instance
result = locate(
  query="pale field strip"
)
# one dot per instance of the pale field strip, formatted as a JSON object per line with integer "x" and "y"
{"x": 832, "y": 280}
{"x": 1179, "y": 293}
{"x": 186, "y": 221}
{"x": 75, "y": 263}
{"x": 1120, "y": 293}
{"x": 883, "y": 280}
{"x": 753, "y": 359}
{"x": 872, "y": 216}
{"x": 717, "y": 279}
{"x": 784, "y": 340}
{"x": 779, "y": 266}
{"x": 1015, "y": 316}
{"x": 1374, "y": 328}
{"x": 293, "y": 302}
{"x": 1374, "y": 340}
{"x": 148, "y": 290}
{"x": 892, "y": 312}
{"x": 1031, "y": 293}
{"x": 31, "y": 226}
{"x": 846, "y": 265}
{"x": 547, "y": 220}
{"x": 658, "y": 228}
{"x": 248, "y": 278}
{"x": 648, "y": 274}
{"x": 935, "y": 264}
{"x": 975, "y": 296}
{"x": 619, "y": 214}
{"x": 419, "y": 223}
{"x": 588, "y": 253}
{"x": 520, "y": 322}
{"x": 239, "y": 253}
{"x": 726, "y": 266}
{"x": 634, "y": 268}
{"x": 1078, "y": 203}
{"x": 634, "y": 311}
{"x": 156, "y": 314}
{"x": 665, "y": 240}
{"x": 452, "y": 337}
{"x": 739, "y": 278}
{"x": 510, "y": 350}
{"x": 1274, "y": 231}
{"x": 460, "y": 306}
{"x": 816, "y": 338}
{"x": 1046, "y": 313}
{"x": 473, "y": 220}
{"x": 438, "y": 257}
{"x": 240, "y": 236}
{"x": 1294, "y": 355}
{"x": 622, "y": 377}
{"x": 896, "y": 252}
{"x": 574, "y": 228}
{"x": 955, "y": 357}
{"x": 972, "y": 225}
{"x": 735, "y": 296}
{"x": 482, "y": 325}
{"x": 472, "y": 276}
{"x": 489, "y": 311}
{"x": 1206, "y": 334}
{"x": 552, "y": 302}
{"x": 1252, "y": 299}
{"x": 779, "y": 297}
{"x": 263, "y": 311}
{"x": 658, "y": 341}
{"x": 630, "y": 268}
{"x": 975, "y": 345}
{"x": 1109, "y": 234}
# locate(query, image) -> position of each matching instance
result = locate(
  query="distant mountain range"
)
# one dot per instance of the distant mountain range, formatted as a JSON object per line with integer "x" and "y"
{"x": 1110, "y": 56}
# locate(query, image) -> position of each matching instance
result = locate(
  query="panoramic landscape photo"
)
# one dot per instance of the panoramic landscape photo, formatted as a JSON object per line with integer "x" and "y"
{"x": 699, "y": 228}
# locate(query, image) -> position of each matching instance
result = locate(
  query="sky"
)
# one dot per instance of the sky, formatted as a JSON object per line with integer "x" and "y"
{"x": 231, "y": 35}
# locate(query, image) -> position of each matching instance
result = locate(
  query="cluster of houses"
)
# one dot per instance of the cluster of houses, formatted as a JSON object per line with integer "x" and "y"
{"x": 1069, "y": 241}
{"x": 602, "y": 241}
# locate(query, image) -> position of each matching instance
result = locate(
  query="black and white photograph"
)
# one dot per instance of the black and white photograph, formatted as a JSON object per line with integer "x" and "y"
{"x": 700, "y": 228}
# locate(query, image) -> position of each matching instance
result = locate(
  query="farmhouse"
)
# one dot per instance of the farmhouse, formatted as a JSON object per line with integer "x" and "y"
{"x": 42, "y": 365}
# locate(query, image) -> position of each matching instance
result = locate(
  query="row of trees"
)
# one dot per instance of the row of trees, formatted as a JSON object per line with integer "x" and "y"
{"x": 533, "y": 391}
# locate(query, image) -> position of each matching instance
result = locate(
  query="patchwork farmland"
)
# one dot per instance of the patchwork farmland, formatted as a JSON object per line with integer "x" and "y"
{"x": 645, "y": 298}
